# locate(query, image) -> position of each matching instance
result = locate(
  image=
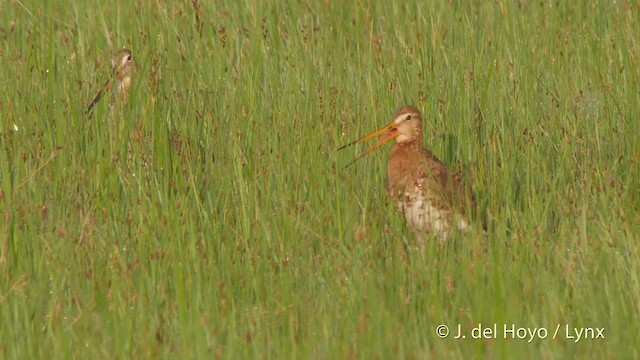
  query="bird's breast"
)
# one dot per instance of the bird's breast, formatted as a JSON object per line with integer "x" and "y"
{"x": 412, "y": 186}
{"x": 123, "y": 85}
{"x": 401, "y": 170}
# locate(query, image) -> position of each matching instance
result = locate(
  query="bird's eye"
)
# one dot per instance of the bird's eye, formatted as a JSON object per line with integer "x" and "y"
{"x": 408, "y": 117}
{"x": 129, "y": 58}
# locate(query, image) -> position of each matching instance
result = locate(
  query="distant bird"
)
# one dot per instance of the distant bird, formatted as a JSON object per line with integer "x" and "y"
{"x": 123, "y": 67}
{"x": 432, "y": 198}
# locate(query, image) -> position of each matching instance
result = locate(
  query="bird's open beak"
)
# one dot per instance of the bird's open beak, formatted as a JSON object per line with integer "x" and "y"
{"x": 390, "y": 132}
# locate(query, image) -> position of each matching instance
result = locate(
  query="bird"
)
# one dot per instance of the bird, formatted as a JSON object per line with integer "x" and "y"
{"x": 432, "y": 198}
{"x": 123, "y": 67}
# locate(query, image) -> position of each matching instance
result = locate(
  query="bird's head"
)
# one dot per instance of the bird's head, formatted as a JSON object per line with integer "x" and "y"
{"x": 406, "y": 127}
{"x": 122, "y": 61}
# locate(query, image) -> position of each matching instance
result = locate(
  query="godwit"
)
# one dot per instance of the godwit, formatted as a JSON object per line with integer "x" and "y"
{"x": 123, "y": 66}
{"x": 432, "y": 198}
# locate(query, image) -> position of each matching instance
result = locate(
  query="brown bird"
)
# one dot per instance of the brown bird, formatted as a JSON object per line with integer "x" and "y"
{"x": 123, "y": 67}
{"x": 432, "y": 198}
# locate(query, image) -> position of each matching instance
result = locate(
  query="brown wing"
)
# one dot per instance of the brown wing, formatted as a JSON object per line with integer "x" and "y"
{"x": 454, "y": 191}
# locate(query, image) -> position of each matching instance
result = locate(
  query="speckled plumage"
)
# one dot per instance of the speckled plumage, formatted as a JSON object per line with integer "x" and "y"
{"x": 432, "y": 198}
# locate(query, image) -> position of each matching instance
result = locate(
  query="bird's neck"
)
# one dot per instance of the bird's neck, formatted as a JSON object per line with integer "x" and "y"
{"x": 403, "y": 142}
{"x": 403, "y": 151}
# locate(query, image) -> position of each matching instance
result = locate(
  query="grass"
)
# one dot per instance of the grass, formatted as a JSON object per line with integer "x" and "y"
{"x": 212, "y": 216}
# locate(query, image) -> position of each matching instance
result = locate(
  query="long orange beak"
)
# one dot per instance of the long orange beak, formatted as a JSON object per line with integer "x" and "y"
{"x": 390, "y": 132}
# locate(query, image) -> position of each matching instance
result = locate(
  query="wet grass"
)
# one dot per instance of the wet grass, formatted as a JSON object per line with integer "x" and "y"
{"x": 212, "y": 217}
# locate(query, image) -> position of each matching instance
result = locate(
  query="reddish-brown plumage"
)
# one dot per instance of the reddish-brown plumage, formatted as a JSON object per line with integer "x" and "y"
{"x": 432, "y": 198}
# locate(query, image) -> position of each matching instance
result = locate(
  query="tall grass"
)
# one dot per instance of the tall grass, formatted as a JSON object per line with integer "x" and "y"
{"x": 212, "y": 216}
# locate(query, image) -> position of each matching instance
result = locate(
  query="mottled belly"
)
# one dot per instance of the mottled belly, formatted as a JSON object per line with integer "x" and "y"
{"x": 425, "y": 214}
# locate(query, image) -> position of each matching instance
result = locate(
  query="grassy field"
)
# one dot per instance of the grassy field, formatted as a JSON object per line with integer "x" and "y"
{"x": 212, "y": 216}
